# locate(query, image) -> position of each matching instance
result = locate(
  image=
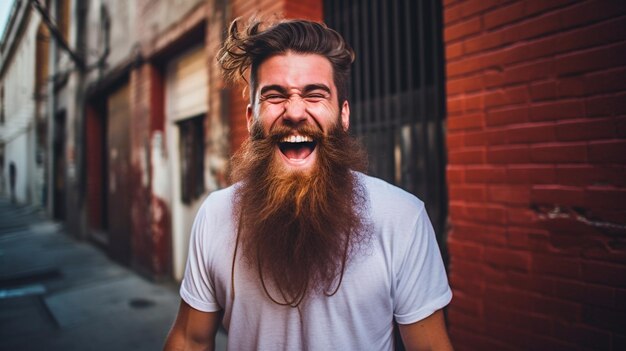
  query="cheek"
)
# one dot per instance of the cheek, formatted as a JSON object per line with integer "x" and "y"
{"x": 325, "y": 114}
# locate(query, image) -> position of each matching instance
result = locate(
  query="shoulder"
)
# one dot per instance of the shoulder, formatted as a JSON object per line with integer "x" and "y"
{"x": 218, "y": 204}
{"x": 388, "y": 200}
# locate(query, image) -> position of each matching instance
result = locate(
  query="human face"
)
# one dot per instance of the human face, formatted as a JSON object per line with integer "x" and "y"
{"x": 297, "y": 91}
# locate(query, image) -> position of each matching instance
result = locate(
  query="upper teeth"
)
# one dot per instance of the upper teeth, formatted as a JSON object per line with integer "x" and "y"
{"x": 297, "y": 139}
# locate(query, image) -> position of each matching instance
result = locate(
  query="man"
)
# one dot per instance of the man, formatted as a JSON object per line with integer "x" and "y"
{"x": 304, "y": 252}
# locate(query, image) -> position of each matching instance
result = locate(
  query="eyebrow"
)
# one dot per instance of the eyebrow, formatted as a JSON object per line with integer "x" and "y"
{"x": 307, "y": 89}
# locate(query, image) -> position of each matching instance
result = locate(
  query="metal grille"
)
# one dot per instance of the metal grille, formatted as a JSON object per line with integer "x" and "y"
{"x": 396, "y": 93}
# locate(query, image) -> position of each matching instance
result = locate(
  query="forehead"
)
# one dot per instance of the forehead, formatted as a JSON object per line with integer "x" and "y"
{"x": 295, "y": 71}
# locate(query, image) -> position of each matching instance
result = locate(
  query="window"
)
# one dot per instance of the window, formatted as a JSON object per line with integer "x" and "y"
{"x": 191, "y": 158}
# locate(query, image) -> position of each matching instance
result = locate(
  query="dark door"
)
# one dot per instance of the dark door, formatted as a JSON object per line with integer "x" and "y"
{"x": 118, "y": 177}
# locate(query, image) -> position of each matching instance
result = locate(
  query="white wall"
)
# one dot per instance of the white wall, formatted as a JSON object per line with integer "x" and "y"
{"x": 18, "y": 131}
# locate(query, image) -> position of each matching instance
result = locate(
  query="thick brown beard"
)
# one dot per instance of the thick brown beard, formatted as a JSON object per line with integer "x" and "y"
{"x": 299, "y": 228}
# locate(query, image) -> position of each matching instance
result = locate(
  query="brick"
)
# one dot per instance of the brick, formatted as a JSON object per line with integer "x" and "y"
{"x": 509, "y": 96}
{"x": 453, "y": 51}
{"x": 495, "y": 137}
{"x": 503, "y": 298}
{"x": 606, "y": 81}
{"x": 532, "y": 28}
{"x": 504, "y": 15}
{"x": 537, "y": 6}
{"x": 508, "y": 154}
{"x": 603, "y": 318}
{"x": 589, "y": 11}
{"x": 607, "y": 151}
{"x": 481, "y": 174}
{"x": 468, "y": 305}
{"x": 465, "y": 250}
{"x": 557, "y": 110}
{"x": 585, "y": 129}
{"x": 492, "y": 78}
{"x": 470, "y": 84}
{"x": 473, "y": 103}
{"x": 462, "y": 29}
{"x": 483, "y": 42}
{"x": 509, "y": 194}
{"x": 591, "y": 60}
{"x": 531, "y": 174}
{"x": 465, "y": 329}
{"x": 558, "y": 195}
{"x": 605, "y": 251}
{"x": 518, "y": 319}
{"x": 529, "y": 282}
{"x": 541, "y": 91}
{"x": 472, "y": 7}
{"x": 452, "y": 14}
{"x": 590, "y": 175}
{"x": 523, "y": 51}
{"x": 455, "y": 140}
{"x": 559, "y": 153}
{"x": 467, "y": 156}
{"x": 467, "y": 121}
{"x": 479, "y": 138}
{"x": 480, "y": 233}
{"x": 507, "y": 259}
{"x": 569, "y": 87}
{"x": 583, "y": 335}
{"x": 520, "y": 216}
{"x": 455, "y": 174}
{"x": 524, "y": 340}
{"x": 467, "y": 192}
{"x": 488, "y": 60}
{"x": 605, "y": 197}
{"x": 486, "y": 213}
{"x": 577, "y": 291}
{"x": 620, "y": 299}
{"x": 556, "y": 266}
{"x": 600, "y": 106}
{"x": 531, "y": 133}
{"x": 603, "y": 273}
{"x": 454, "y": 105}
{"x": 620, "y": 126}
{"x": 509, "y": 115}
{"x": 558, "y": 309}
{"x": 589, "y": 36}
{"x": 529, "y": 71}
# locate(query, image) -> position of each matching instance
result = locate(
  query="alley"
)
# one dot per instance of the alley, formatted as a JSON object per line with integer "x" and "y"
{"x": 60, "y": 294}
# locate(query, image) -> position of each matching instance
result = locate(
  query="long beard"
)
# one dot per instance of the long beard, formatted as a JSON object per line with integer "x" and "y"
{"x": 298, "y": 229}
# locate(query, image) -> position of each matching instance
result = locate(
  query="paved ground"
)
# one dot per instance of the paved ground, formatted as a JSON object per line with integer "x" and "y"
{"x": 57, "y": 293}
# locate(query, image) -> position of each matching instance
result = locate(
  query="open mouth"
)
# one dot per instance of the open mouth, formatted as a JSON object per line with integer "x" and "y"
{"x": 297, "y": 147}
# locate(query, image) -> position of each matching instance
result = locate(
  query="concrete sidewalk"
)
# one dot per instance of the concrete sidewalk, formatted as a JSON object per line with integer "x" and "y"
{"x": 57, "y": 293}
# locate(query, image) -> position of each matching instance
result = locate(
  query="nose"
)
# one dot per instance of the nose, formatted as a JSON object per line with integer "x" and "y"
{"x": 295, "y": 110}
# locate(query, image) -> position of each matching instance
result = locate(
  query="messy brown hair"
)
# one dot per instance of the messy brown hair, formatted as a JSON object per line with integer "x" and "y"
{"x": 258, "y": 41}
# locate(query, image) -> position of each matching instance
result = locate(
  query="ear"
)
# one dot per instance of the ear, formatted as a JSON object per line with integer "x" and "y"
{"x": 345, "y": 115}
{"x": 249, "y": 117}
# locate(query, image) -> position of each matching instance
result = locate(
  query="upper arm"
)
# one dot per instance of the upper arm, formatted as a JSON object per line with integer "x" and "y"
{"x": 427, "y": 334}
{"x": 193, "y": 329}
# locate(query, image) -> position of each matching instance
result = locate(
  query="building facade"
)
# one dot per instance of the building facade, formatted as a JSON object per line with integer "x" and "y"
{"x": 23, "y": 62}
{"x": 506, "y": 117}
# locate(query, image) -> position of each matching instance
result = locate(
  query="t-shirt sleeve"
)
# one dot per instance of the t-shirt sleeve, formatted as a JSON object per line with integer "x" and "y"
{"x": 421, "y": 285}
{"x": 197, "y": 288}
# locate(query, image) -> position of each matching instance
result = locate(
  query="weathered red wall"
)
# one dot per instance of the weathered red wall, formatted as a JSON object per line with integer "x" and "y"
{"x": 536, "y": 99}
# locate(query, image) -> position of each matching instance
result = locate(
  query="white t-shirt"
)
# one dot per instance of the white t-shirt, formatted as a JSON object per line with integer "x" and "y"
{"x": 399, "y": 275}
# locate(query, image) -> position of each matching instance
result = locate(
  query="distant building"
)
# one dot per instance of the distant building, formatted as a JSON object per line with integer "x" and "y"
{"x": 23, "y": 63}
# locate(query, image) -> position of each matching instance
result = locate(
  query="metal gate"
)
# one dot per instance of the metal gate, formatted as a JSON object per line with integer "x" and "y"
{"x": 397, "y": 93}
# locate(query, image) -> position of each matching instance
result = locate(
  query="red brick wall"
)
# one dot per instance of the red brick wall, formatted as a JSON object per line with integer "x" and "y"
{"x": 536, "y": 99}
